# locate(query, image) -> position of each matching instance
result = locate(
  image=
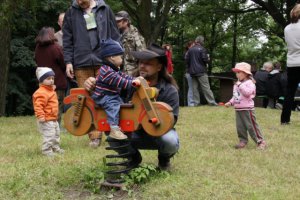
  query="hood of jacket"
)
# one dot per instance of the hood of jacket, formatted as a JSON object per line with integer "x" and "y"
{"x": 273, "y": 73}
{"x": 99, "y": 3}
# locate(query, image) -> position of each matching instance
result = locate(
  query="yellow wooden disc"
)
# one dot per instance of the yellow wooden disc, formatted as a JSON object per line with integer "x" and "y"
{"x": 83, "y": 126}
{"x": 166, "y": 117}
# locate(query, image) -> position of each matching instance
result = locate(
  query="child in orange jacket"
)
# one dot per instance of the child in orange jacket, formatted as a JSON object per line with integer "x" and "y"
{"x": 45, "y": 105}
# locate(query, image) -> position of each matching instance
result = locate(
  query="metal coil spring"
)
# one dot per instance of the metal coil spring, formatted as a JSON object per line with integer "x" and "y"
{"x": 122, "y": 165}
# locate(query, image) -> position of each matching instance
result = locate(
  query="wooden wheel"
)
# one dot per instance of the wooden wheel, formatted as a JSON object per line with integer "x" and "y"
{"x": 166, "y": 117}
{"x": 83, "y": 126}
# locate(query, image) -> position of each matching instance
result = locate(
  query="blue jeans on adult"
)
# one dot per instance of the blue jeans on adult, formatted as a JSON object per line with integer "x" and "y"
{"x": 190, "y": 95}
{"x": 167, "y": 144}
{"x": 111, "y": 104}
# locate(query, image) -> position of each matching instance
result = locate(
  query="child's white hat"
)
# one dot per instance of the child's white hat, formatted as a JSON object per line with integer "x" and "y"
{"x": 43, "y": 72}
{"x": 242, "y": 67}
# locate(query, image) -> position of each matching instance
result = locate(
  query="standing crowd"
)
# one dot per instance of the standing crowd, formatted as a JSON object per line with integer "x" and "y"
{"x": 104, "y": 53}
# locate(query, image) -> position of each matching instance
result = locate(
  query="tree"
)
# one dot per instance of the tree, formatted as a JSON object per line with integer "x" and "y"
{"x": 279, "y": 10}
{"x": 150, "y": 16}
{"x": 5, "y": 35}
{"x": 21, "y": 22}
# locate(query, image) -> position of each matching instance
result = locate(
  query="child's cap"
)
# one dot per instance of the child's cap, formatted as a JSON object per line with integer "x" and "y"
{"x": 242, "y": 67}
{"x": 110, "y": 47}
{"x": 43, "y": 72}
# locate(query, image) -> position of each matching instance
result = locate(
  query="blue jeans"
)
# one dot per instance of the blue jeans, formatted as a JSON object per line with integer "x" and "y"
{"x": 190, "y": 95}
{"x": 167, "y": 144}
{"x": 111, "y": 105}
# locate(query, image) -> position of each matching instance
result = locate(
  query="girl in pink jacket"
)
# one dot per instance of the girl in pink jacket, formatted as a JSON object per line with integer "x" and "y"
{"x": 243, "y": 93}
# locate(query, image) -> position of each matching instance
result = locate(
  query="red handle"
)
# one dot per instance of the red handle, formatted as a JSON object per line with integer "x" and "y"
{"x": 153, "y": 120}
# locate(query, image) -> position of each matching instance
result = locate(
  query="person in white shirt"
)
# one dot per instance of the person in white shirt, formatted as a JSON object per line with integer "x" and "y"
{"x": 292, "y": 39}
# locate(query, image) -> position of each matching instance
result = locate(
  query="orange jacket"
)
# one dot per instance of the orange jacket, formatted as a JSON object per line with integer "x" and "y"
{"x": 45, "y": 103}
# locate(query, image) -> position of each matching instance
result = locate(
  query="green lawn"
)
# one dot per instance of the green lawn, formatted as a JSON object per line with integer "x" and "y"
{"x": 206, "y": 167}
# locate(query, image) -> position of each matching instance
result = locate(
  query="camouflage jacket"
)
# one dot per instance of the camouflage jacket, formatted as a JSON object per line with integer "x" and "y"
{"x": 132, "y": 40}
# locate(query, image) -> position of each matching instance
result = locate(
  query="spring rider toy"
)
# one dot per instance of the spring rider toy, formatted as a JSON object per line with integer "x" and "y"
{"x": 156, "y": 118}
{"x": 143, "y": 111}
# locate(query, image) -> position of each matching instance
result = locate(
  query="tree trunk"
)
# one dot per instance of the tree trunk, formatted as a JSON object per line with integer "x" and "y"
{"x": 234, "y": 43}
{"x": 276, "y": 13}
{"x": 149, "y": 22}
{"x": 5, "y": 35}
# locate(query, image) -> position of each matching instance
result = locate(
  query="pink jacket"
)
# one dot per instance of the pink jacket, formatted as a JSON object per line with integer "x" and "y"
{"x": 243, "y": 94}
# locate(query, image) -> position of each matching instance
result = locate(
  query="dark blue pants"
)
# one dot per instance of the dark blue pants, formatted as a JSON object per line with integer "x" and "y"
{"x": 293, "y": 74}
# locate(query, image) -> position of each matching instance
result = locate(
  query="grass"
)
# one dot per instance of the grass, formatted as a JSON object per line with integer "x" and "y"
{"x": 206, "y": 167}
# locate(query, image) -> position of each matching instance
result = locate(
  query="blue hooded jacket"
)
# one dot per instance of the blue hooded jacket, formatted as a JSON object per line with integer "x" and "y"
{"x": 77, "y": 46}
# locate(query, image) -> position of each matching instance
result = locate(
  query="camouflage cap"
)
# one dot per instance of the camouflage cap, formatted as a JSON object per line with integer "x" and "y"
{"x": 122, "y": 15}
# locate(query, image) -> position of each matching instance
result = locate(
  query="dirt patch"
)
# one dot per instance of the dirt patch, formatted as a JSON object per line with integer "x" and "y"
{"x": 79, "y": 193}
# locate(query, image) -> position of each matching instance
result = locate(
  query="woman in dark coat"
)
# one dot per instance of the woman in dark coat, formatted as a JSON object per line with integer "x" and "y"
{"x": 49, "y": 54}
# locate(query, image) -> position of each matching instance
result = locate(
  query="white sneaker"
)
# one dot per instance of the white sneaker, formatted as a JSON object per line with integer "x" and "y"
{"x": 60, "y": 151}
{"x": 117, "y": 134}
{"x": 49, "y": 154}
{"x": 95, "y": 143}
{"x": 278, "y": 106}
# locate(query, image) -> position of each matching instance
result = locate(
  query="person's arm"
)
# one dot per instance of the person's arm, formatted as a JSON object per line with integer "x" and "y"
{"x": 174, "y": 103}
{"x": 247, "y": 89}
{"x": 204, "y": 55}
{"x": 68, "y": 46}
{"x": 60, "y": 57}
{"x": 112, "y": 26}
{"x": 139, "y": 42}
{"x": 90, "y": 83}
{"x": 171, "y": 98}
{"x": 39, "y": 103}
{"x": 231, "y": 101}
{"x": 115, "y": 79}
{"x": 187, "y": 59}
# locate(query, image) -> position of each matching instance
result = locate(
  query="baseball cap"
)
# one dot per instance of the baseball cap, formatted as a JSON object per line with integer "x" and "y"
{"x": 121, "y": 15}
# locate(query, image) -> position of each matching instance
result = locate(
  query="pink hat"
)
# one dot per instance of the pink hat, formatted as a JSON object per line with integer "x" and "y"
{"x": 242, "y": 67}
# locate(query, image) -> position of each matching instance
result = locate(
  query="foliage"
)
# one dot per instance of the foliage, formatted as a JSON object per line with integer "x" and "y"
{"x": 93, "y": 179}
{"x": 17, "y": 95}
{"x": 21, "y": 81}
{"x": 115, "y": 5}
{"x": 95, "y": 176}
{"x": 21, "y": 55}
{"x": 140, "y": 175}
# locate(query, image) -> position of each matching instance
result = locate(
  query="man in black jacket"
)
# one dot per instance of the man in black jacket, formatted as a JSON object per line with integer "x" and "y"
{"x": 152, "y": 65}
{"x": 261, "y": 78}
{"x": 197, "y": 59}
{"x": 86, "y": 24}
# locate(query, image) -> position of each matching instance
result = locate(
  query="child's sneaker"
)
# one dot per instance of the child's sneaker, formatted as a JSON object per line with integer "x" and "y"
{"x": 60, "y": 151}
{"x": 95, "y": 143}
{"x": 240, "y": 145}
{"x": 278, "y": 106}
{"x": 262, "y": 145}
{"x": 116, "y": 133}
{"x": 49, "y": 154}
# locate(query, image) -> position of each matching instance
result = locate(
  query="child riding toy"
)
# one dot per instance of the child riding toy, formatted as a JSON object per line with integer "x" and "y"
{"x": 143, "y": 111}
